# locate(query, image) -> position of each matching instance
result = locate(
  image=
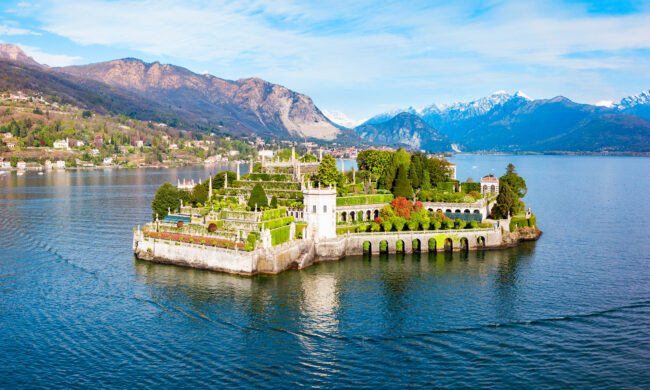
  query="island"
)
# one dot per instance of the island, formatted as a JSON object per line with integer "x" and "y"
{"x": 289, "y": 212}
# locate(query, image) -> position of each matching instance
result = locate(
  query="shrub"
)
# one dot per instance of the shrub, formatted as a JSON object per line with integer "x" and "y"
{"x": 274, "y": 202}
{"x": 383, "y": 246}
{"x": 387, "y": 225}
{"x": 364, "y": 199}
{"x": 517, "y": 222}
{"x": 179, "y": 224}
{"x": 399, "y": 223}
{"x": 460, "y": 224}
{"x": 437, "y": 225}
{"x": 447, "y": 186}
{"x": 426, "y": 223}
{"x": 399, "y": 246}
{"x": 212, "y": 227}
{"x": 258, "y": 198}
{"x": 473, "y": 224}
{"x": 366, "y": 246}
{"x": 412, "y": 224}
{"x": 375, "y": 227}
{"x": 532, "y": 221}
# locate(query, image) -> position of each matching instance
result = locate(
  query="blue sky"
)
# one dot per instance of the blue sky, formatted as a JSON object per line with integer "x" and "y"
{"x": 359, "y": 57}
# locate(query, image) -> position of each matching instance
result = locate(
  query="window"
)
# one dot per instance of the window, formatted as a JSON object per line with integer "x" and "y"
{"x": 314, "y": 208}
{"x": 325, "y": 208}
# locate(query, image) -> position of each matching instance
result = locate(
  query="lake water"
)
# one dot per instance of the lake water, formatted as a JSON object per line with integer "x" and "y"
{"x": 570, "y": 310}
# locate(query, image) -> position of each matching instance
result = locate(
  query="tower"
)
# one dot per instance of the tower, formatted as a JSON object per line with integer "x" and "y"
{"x": 320, "y": 212}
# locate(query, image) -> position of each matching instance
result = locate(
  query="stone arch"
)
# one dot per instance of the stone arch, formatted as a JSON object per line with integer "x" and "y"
{"x": 457, "y": 211}
{"x": 367, "y": 247}
{"x": 466, "y": 211}
{"x": 376, "y": 214}
{"x": 464, "y": 244}
{"x": 492, "y": 188}
{"x": 383, "y": 246}
{"x": 368, "y": 215}
{"x": 485, "y": 188}
{"x": 439, "y": 211}
{"x": 430, "y": 210}
{"x": 416, "y": 244}
{"x": 477, "y": 211}
{"x": 448, "y": 211}
{"x": 480, "y": 241}
{"x": 399, "y": 246}
{"x": 432, "y": 244}
{"x": 352, "y": 215}
{"x": 344, "y": 216}
{"x": 449, "y": 244}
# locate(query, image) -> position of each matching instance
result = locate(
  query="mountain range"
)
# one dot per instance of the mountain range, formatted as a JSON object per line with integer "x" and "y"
{"x": 174, "y": 95}
{"x": 503, "y": 122}
{"x": 500, "y": 122}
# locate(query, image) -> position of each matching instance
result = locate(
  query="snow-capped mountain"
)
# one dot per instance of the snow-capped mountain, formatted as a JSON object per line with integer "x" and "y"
{"x": 339, "y": 118}
{"x": 457, "y": 110}
{"x": 505, "y": 122}
{"x": 638, "y": 105}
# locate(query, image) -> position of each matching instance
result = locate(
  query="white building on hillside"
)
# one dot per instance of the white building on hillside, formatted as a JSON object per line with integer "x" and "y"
{"x": 489, "y": 184}
{"x": 60, "y": 164}
{"x": 61, "y": 144}
{"x": 452, "y": 170}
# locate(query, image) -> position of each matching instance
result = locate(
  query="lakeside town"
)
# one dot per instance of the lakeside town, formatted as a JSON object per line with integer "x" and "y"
{"x": 41, "y": 133}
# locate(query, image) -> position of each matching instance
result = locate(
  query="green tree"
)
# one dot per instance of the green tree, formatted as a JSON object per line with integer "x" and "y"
{"x": 274, "y": 202}
{"x": 507, "y": 202}
{"x": 327, "y": 172}
{"x": 199, "y": 193}
{"x": 258, "y": 197}
{"x": 402, "y": 185}
{"x": 425, "y": 184}
{"x": 167, "y": 197}
{"x": 219, "y": 179}
{"x": 390, "y": 172}
{"x": 510, "y": 169}
{"x": 438, "y": 170}
{"x": 515, "y": 182}
{"x": 86, "y": 114}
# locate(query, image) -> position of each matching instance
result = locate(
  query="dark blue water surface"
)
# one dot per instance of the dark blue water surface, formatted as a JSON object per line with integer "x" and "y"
{"x": 570, "y": 310}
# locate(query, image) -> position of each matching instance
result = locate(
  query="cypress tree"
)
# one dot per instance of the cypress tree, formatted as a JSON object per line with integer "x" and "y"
{"x": 426, "y": 181}
{"x": 274, "y": 202}
{"x": 402, "y": 185}
{"x": 258, "y": 197}
{"x": 391, "y": 172}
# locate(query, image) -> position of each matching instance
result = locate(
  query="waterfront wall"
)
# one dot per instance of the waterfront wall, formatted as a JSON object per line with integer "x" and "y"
{"x": 303, "y": 253}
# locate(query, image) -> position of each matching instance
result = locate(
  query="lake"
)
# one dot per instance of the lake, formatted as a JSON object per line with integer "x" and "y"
{"x": 570, "y": 310}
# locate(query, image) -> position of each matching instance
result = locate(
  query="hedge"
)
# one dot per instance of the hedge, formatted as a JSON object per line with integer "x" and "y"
{"x": 280, "y": 235}
{"x": 276, "y": 223}
{"x": 269, "y": 177}
{"x": 518, "y": 222}
{"x": 446, "y": 185}
{"x": 353, "y": 229}
{"x": 274, "y": 214}
{"x": 363, "y": 199}
{"x": 468, "y": 187}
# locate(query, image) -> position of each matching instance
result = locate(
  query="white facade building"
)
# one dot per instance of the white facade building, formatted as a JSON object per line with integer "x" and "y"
{"x": 60, "y": 164}
{"x": 21, "y": 165}
{"x": 489, "y": 184}
{"x": 452, "y": 171}
{"x": 61, "y": 144}
{"x": 266, "y": 153}
{"x": 320, "y": 213}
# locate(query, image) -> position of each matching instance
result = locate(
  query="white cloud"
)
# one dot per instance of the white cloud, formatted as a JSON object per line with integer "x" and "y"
{"x": 604, "y": 103}
{"x": 8, "y": 30}
{"x": 411, "y": 47}
{"x": 48, "y": 58}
